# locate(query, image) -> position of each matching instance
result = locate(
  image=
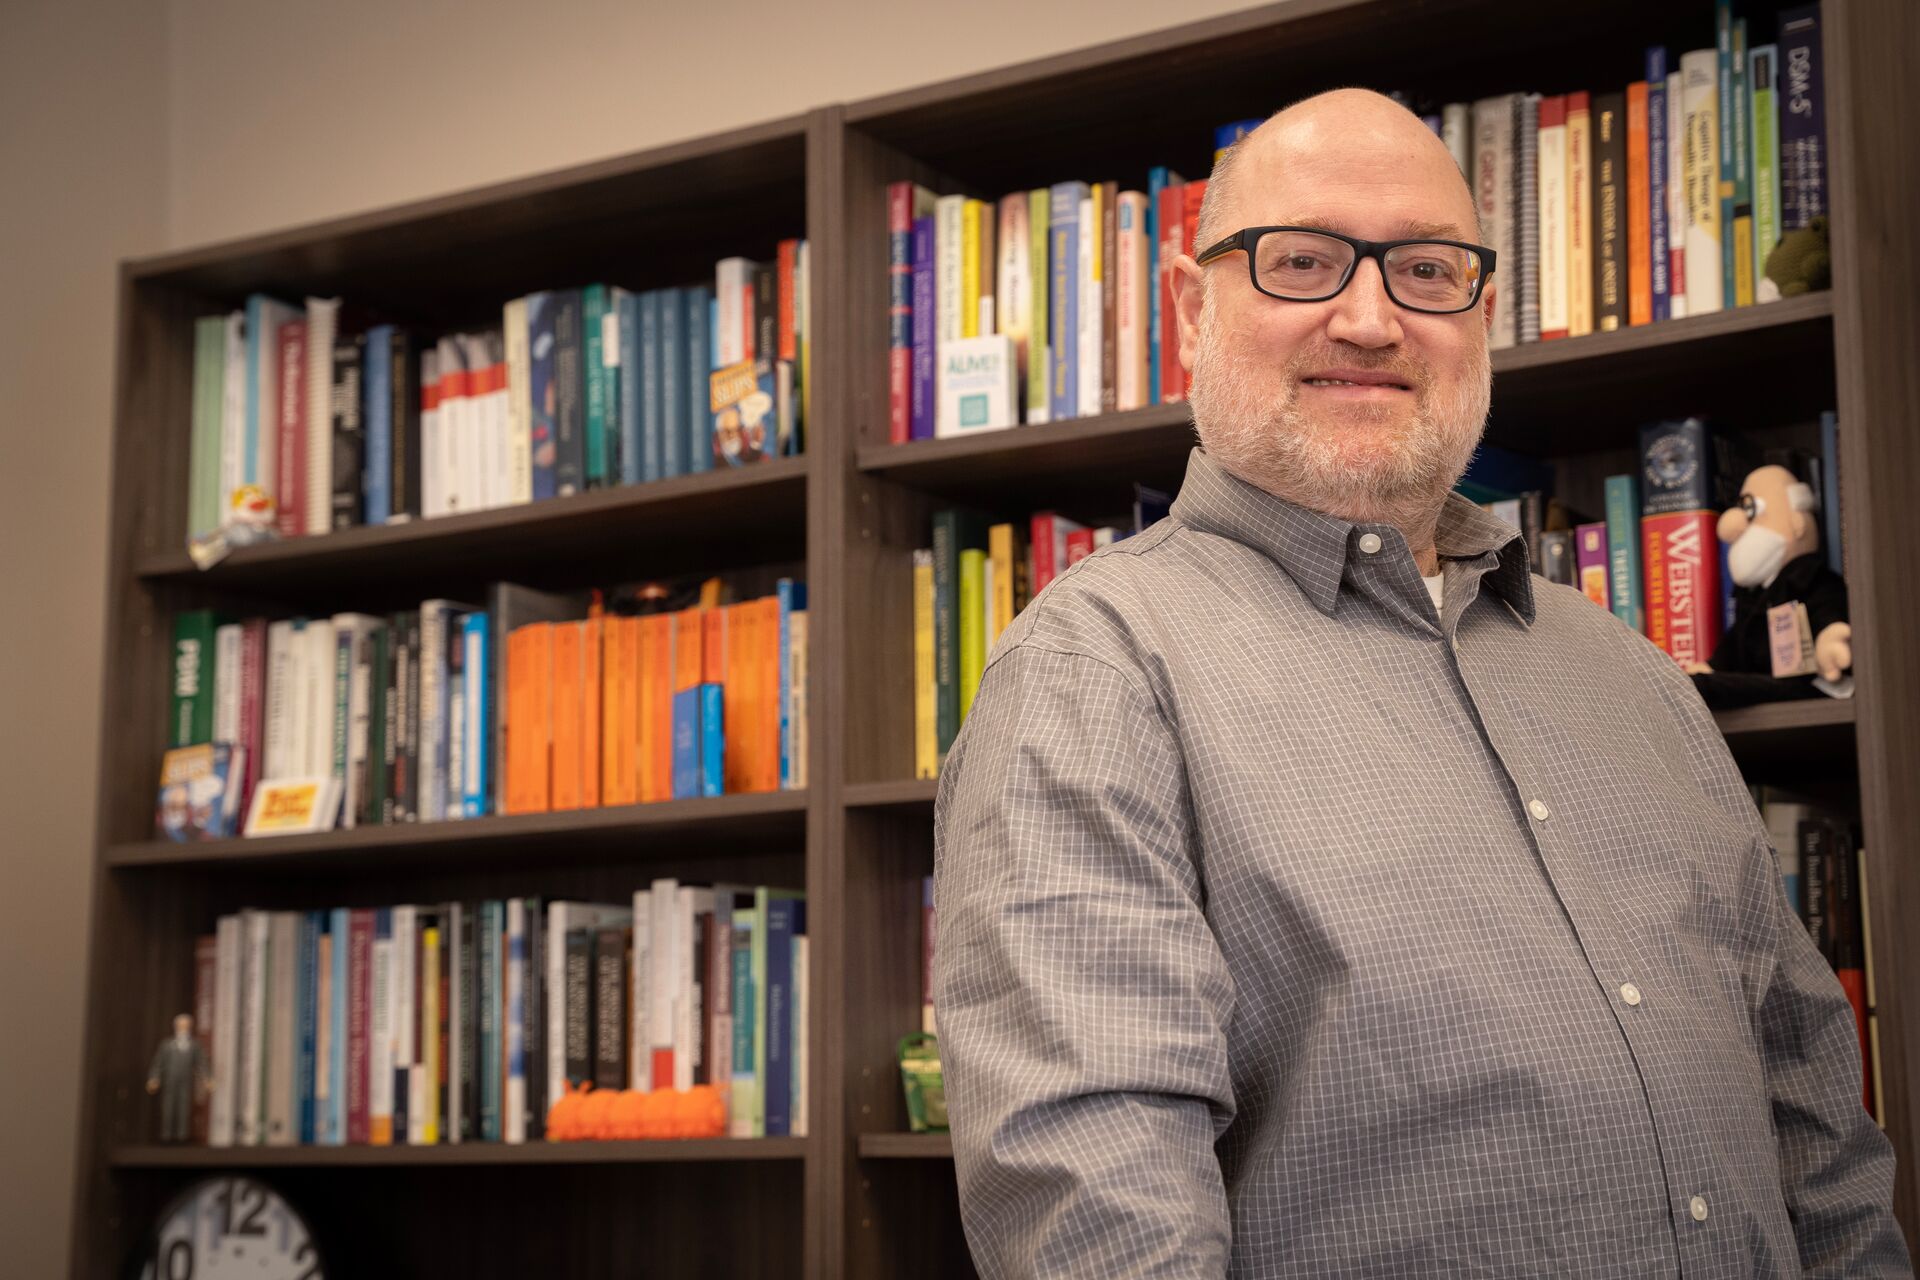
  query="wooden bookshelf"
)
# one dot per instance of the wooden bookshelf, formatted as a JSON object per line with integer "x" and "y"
{"x": 861, "y": 1197}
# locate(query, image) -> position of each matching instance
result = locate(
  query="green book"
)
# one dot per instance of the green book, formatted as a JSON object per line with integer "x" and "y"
{"x": 192, "y": 720}
{"x": 209, "y": 392}
{"x": 1623, "y": 552}
{"x": 973, "y": 623}
{"x": 1762, "y": 64}
{"x": 1039, "y": 201}
{"x": 953, "y": 532}
{"x": 593, "y": 305}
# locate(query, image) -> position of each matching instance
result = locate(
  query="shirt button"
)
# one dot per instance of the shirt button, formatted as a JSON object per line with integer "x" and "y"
{"x": 1538, "y": 808}
{"x": 1369, "y": 542}
{"x": 1631, "y": 994}
{"x": 1698, "y": 1208}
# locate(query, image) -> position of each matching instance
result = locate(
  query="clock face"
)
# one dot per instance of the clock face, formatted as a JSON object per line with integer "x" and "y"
{"x": 227, "y": 1227}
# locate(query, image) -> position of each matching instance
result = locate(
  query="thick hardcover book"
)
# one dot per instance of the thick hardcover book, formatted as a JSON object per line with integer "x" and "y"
{"x": 360, "y": 928}
{"x": 1609, "y": 221}
{"x": 1551, "y": 145}
{"x": 1579, "y": 214}
{"x": 1494, "y": 193}
{"x": 786, "y": 919}
{"x": 569, "y": 393}
{"x": 609, "y": 1020}
{"x": 1686, "y": 466}
{"x": 1683, "y": 583}
{"x": 1803, "y": 119}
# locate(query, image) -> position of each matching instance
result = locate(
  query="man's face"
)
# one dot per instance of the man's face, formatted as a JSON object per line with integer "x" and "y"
{"x": 1258, "y": 363}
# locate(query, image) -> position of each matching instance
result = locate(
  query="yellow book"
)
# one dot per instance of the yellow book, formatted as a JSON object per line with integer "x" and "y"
{"x": 926, "y": 756}
{"x": 970, "y": 269}
{"x": 972, "y": 608}
{"x": 1000, "y": 551}
{"x": 427, "y": 1096}
{"x": 1579, "y": 215}
{"x": 1743, "y": 260}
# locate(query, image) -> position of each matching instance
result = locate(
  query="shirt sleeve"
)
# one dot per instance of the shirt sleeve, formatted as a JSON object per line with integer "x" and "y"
{"x": 1836, "y": 1166}
{"x": 1081, "y": 998}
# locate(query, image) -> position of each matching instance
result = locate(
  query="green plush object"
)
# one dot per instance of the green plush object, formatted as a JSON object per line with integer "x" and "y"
{"x": 1801, "y": 263}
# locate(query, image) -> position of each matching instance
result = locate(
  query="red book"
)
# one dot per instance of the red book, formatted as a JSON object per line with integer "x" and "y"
{"x": 253, "y": 701}
{"x": 899, "y": 311}
{"x": 291, "y": 498}
{"x": 359, "y": 1021}
{"x": 1079, "y": 545}
{"x": 1682, "y": 567}
{"x": 1173, "y": 237}
{"x": 789, "y": 256}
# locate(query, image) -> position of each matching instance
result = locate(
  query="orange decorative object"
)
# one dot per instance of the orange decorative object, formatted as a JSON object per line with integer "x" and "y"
{"x": 584, "y": 1113}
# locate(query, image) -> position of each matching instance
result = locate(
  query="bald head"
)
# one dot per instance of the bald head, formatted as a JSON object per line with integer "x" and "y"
{"x": 1339, "y": 148}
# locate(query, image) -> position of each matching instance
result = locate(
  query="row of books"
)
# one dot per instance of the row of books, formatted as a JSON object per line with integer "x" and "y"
{"x": 1655, "y": 559}
{"x": 1824, "y": 871}
{"x": 968, "y": 587}
{"x": 1658, "y": 200}
{"x": 540, "y": 701}
{"x": 309, "y": 419}
{"x": 464, "y": 1022}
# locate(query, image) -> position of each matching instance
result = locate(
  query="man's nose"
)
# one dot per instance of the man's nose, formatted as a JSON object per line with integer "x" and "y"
{"x": 1363, "y": 314}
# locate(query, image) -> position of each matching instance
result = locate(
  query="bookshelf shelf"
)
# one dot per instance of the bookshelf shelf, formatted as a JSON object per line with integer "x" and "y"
{"x": 613, "y": 832}
{"x": 712, "y": 519}
{"x": 686, "y": 1150}
{"x": 906, "y": 1146}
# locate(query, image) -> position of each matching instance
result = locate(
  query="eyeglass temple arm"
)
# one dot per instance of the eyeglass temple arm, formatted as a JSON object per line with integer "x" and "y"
{"x": 1231, "y": 243}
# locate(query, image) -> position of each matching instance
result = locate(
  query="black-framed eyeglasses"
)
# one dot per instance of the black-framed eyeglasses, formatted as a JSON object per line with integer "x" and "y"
{"x": 1308, "y": 264}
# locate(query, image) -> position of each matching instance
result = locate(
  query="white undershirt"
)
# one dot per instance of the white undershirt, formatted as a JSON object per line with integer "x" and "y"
{"x": 1433, "y": 586}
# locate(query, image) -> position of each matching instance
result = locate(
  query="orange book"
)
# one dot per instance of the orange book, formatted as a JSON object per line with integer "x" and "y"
{"x": 770, "y": 700}
{"x": 592, "y": 632}
{"x": 530, "y": 728}
{"x": 623, "y": 639}
{"x": 722, "y": 643}
{"x": 568, "y": 719}
{"x": 610, "y": 720}
{"x": 1639, "y": 210}
{"x": 659, "y": 678}
{"x": 517, "y": 723}
{"x": 653, "y": 659}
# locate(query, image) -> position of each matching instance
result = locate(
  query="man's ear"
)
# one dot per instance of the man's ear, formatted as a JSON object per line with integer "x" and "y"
{"x": 1189, "y": 290}
{"x": 1487, "y": 296}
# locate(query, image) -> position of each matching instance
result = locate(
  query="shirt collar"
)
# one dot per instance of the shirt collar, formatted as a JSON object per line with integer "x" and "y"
{"x": 1313, "y": 547}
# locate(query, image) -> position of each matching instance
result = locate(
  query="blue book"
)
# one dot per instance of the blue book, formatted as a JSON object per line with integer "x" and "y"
{"x": 340, "y": 928}
{"x": 713, "y": 740}
{"x": 1659, "y": 252}
{"x": 476, "y": 786}
{"x": 1158, "y": 179}
{"x": 260, "y": 457}
{"x": 1623, "y": 552}
{"x": 1802, "y": 113}
{"x": 632, "y": 386}
{"x": 675, "y": 434}
{"x": 306, "y": 1025}
{"x": 922, "y": 393}
{"x": 1726, "y": 588}
{"x": 745, "y": 1009}
{"x": 700, "y": 326}
{"x": 652, "y": 406}
{"x": 1063, "y": 295}
{"x": 1724, "y": 88}
{"x": 782, "y": 924}
{"x": 792, "y": 596}
{"x": 542, "y": 426}
{"x": 377, "y": 478}
{"x": 686, "y": 743}
{"x": 1830, "y": 487}
{"x": 492, "y": 916}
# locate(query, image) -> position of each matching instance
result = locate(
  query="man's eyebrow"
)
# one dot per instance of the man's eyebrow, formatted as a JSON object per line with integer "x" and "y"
{"x": 1411, "y": 229}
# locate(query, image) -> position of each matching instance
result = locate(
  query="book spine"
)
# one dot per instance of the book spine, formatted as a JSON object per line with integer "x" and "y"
{"x": 489, "y": 1018}
{"x": 354, "y": 1098}
{"x": 611, "y": 967}
{"x": 700, "y": 308}
{"x": 1039, "y": 366}
{"x": 593, "y": 313}
{"x": 652, "y": 397}
{"x": 1738, "y": 218}
{"x": 1494, "y": 189}
{"x": 404, "y": 384}
{"x": 283, "y": 1029}
{"x": 224, "y": 1057}
{"x": 1608, "y": 226}
{"x": 1699, "y": 108}
{"x": 1683, "y": 583}
{"x": 307, "y": 1028}
{"x": 543, "y": 429}
{"x": 1803, "y": 122}
{"x": 476, "y": 782}
{"x": 640, "y": 987}
{"x": 233, "y": 416}
{"x": 578, "y": 1047}
{"x": 920, "y": 383}
{"x": 209, "y": 382}
{"x": 926, "y": 693}
{"x": 1170, "y": 217}
{"x": 900, "y": 311}
{"x": 569, "y": 394}
{"x": 1762, "y": 78}
{"x": 1635, "y": 260}
{"x": 206, "y": 982}
{"x": 1659, "y": 181}
{"x": 191, "y": 720}
{"x": 381, "y": 1031}
{"x": 778, "y": 1037}
{"x": 1579, "y": 214}
{"x": 1130, "y": 301}
{"x": 1087, "y": 303}
{"x": 1107, "y": 272}
{"x": 291, "y": 432}
{"x": 675, "y": 431}
{"x": 323, "y": 318}
{"x": 1063, "y": 330}
{"x": 1524, "y": 286}
{"x": 1623, "y": 552}
{"x": 249, "y": 1122}
{"x": 742, "y": 1100}
{"x": 514, "y": 1096}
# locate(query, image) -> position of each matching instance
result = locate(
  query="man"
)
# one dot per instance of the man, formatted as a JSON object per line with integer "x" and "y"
{"x": 1300, "y": 917}
{"x": 179, "y": 1076}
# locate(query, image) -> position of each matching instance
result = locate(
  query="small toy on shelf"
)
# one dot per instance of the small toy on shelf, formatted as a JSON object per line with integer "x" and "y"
{"x": 584, "y": 1113}
{"x": 179, "y": 1075}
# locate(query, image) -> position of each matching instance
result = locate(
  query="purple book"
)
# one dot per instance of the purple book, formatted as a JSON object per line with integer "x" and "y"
{"x": 924, "y": 321}
{"x": 1590, "y": 562}
{"x": 1803, "y": 120}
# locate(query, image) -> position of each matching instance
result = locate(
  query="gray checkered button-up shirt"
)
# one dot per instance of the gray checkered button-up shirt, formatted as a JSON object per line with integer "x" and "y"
{"x": 1288, "y": 928}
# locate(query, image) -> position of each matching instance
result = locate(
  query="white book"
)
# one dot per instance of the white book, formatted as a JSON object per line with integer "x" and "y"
{"x": 1087, "y": 279}
{"x": 975, "y": 381}
{"x": 562, "y": 919}
{"x": 949, "y": 228}
{"x": 797, "y": 1124}
{"x": 299, "y": 699}
{"x": 380, "y": 1038}
{"x": 323, "y": 316}
{"x": 487, "y": 398}
{"x": 1579, "y": 215}
{"x": 278, "y": 760}
{"x": 1130, "y": 300}
{"x": 1676, "y": 201}
{"x": 404, "y": 1028}
{"x": 1553, "y": 228}
{"x": 319, "y": 681}
{"x": 233, "y": 415}
{"x": 689, "y": 984}
{"x": 519, "y": 404}
{"x": 437, "y": 496}
{"x": 1700, "y": 174}
{"x": 283, "y": 968}
{"x": 433, "y": 710}
{"x": 250, "y": 1122}
{"x": 426, "y": 1036}
{"x": 229, "y": 952}
{"x": 1493, "y": 161}
{"x": 731, "y": 277}
{"x": 513, "y": 1104}
{"x": 456, "y": 742}
{"x": 1456, "y": 130}
{"x": 640, "y": 1035}
{"x": 226, "y": 683}
{"x": 663, "y": 974}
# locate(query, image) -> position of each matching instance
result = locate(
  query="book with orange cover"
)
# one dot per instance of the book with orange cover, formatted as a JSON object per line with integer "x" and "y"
{"x": 568, "y": 718}
{"x": 592, "y": 632}
{"x": 653, "y": 698}
{"x": 621, "y": 781}
{"x": 1639, "y": 211}
{"x": 767, "y": 701}
{"x": 530, "y": 708}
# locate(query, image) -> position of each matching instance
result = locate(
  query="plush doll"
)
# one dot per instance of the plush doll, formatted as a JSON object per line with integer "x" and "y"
{"x": 1800, "y": 263}
{"x": 1790, "y": 637}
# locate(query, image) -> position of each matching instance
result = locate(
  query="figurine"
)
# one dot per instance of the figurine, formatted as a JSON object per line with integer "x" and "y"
{"x": 1801, "y": 263}
{"x": 1790, "y": 637}
{"x": 179, "y": 1075}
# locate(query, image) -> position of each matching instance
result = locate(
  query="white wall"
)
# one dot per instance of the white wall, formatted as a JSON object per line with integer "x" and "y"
{"x": 129, "y": 127}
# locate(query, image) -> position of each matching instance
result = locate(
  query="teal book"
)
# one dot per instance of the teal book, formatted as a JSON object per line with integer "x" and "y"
{"x": 675, "y": 432}
{"x": 630, "y": 387}
{"x": 593, "y": 305}
{"x": 1623, "y": 552}
{"x": 743, "y": 1103}
{"x": 191, "y": 721}
{"x": 613, "y": 352}
{"x": 652, "y": 407}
